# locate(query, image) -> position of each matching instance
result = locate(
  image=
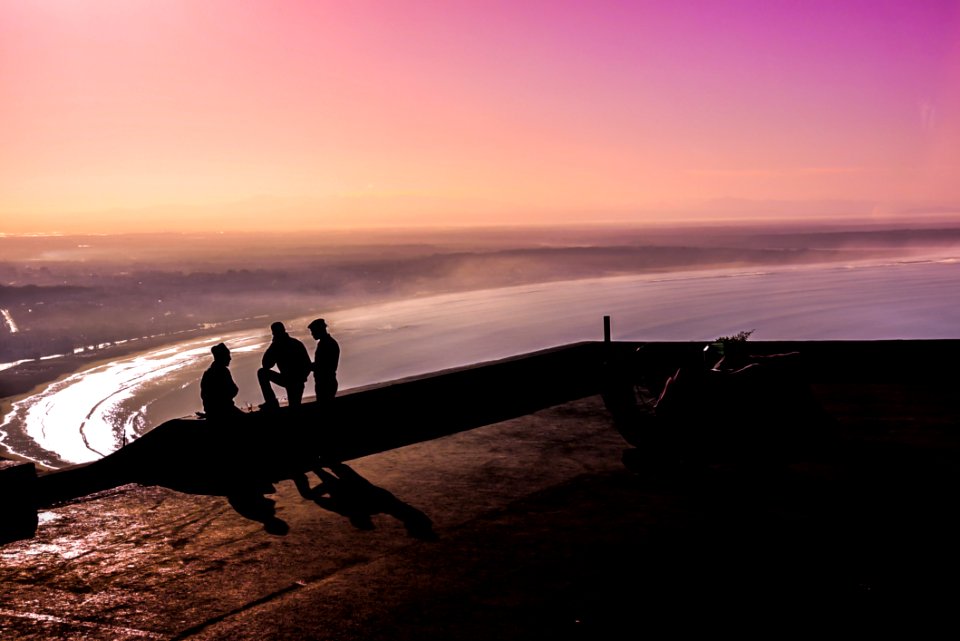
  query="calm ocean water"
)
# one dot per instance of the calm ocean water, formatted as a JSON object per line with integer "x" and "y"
{"x": 91, "y": 413}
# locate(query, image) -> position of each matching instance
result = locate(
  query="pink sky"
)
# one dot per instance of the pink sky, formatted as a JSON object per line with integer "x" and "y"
{"x": 182, "y": 115}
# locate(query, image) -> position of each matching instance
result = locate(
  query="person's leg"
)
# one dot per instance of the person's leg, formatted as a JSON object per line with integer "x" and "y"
{"x": 325, "y": 389}
{"x": 303, "y": 486}
{"x": 265, "y": 377}
{"x": 294, "y": 394}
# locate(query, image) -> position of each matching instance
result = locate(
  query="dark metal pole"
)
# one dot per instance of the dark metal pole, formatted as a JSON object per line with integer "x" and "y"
{"x": 606, "y": 329}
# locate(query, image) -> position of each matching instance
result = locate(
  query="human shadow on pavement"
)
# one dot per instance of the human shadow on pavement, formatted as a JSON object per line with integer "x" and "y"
{"x": 251, "y": 502}
{"x": 238, "y": 459}
{"x": 344, "y": 491}
{"x": 241, "y": 458}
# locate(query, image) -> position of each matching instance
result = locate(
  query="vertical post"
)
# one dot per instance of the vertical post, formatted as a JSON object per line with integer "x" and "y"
{"x": 606, "y": 329}
{"x": 18, "y": 508}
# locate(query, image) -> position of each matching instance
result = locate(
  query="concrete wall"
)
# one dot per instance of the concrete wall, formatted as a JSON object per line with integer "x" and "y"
{"x": 382, "y": 417}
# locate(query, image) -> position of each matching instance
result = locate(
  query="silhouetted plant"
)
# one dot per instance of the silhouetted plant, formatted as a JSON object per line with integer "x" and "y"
{"x": 739, "y": 337}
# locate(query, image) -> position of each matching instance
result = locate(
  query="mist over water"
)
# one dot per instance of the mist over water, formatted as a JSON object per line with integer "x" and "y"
{"x": 92, "y": 413}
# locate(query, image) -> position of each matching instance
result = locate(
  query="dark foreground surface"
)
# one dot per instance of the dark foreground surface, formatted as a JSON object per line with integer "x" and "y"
{"x": 530, "y": 528}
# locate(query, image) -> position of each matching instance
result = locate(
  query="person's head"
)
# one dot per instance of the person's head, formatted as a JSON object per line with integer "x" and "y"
{"x": 317, "y": 327}
{"x": 221, "y": 354}
{"x": 278, "y": 329}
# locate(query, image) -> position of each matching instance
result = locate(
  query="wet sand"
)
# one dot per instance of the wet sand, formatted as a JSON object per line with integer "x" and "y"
{"x": 32, "y": 377}
{"x": 538, "y": 530}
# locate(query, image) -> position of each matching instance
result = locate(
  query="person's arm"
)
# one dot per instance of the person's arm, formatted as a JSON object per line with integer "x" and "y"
{"x": 269, "y": 357}
{"x": 749, "y": 367}
{"x": 231, "y": 386}
{"x": 668, "y": 385}
{"x": 205, "y": 386}
{"x": 305, "y": 363}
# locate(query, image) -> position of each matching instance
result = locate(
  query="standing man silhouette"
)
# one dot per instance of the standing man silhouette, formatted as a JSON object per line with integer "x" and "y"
{"x": 217, "y": 389}
{"x": 325, "y": 361}
{"x": 293, "y": 363}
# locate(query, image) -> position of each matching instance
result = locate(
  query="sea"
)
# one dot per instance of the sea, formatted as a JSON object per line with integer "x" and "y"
{"x": 93, "y": 412}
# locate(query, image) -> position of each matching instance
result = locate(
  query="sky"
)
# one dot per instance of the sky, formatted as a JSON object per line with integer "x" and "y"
{"x": 285, "y": 115}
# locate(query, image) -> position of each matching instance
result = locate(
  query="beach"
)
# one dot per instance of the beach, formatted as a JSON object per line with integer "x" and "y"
{"x": 93, "y": 412}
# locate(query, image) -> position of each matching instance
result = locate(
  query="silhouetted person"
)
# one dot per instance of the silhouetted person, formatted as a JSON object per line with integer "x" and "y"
{"x": 754, "y": 407}
{"x": 325, "y": 361}
{"x": 293, "y": 363}
{"x": 217, "y": 389}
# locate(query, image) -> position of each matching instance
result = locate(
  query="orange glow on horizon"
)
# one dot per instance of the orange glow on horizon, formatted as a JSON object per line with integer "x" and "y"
{"x": 130, "y": 116}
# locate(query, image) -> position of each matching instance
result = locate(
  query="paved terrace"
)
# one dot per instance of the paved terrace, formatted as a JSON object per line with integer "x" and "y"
{"x": 525, "y": 524}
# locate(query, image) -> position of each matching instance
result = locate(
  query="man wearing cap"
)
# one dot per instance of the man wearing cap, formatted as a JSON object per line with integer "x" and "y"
{"x": 217, "y": 389}
{"x": 325, "y": 361}
{"x": 293, "y": 362}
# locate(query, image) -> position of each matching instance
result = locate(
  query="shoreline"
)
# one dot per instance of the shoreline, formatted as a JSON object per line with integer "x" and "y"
{"x": 37, "y": 374}
{"x": 56, "y": 367}
{"x": 34, "y": 376}
{"x": 53, "y": 370}
{"x": 47, "y": 372}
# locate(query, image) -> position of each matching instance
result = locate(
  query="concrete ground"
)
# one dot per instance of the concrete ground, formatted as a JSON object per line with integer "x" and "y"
{"x": 527, "y": 529}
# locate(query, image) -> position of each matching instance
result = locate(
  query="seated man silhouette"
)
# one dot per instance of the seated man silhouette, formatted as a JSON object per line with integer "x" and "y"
{"x": 751, "y": 406}
{"x": 291, "y": 359}
{"x": 217, "y": 389}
